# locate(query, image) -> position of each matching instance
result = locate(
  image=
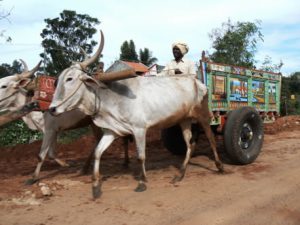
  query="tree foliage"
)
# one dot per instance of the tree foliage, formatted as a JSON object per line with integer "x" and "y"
{"x": 290, "y": 86}
{"x": 6, "y": 69}
{"x": 17, "y": 132}
{"x": 295, "y": 83}
{"x": 145, "y": 57}
{"x": 4, "y": 14}
{"x": 268, "y": 65}
{"x": 62, "y": 38}
{"x": 128, "y": 51}
{"x": 235, "y": 44}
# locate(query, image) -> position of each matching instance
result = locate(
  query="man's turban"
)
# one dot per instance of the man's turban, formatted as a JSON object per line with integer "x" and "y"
{"x": 183, "y": 47}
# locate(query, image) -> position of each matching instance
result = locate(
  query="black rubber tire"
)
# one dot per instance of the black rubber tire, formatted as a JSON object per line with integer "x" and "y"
{"x": 173, "y": 139}
{"x": 243, "y": 135}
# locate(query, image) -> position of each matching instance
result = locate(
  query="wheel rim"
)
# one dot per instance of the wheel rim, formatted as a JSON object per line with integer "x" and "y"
{"x": 246, "y": 136}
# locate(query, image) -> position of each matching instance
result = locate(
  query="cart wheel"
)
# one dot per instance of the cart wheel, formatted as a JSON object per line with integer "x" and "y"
{"x": 243, "y": 135}
{"x": 173, "y": 139}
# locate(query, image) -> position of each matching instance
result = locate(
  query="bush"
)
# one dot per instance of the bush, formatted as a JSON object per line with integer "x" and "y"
{"x": 290, "y": 106}
{"x": 17, "y": 132}
{"x": 68, "y": 136}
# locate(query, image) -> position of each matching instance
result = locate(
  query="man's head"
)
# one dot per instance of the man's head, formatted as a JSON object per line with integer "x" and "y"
{"x": 179, "y": 50}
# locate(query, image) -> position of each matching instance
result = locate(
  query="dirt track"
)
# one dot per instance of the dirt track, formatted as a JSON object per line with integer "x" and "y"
{"x": 265, "y": 192}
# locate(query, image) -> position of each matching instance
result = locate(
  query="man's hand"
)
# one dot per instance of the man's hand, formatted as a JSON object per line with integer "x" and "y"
{"x": 178, "y": 71}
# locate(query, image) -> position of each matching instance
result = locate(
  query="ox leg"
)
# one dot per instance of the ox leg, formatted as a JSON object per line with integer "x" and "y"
{"x": 87, "y": 164}
{"x": 47, "y": 139}
{"x": 209, "y": 134}
{"x": 126, "y": 149}
{"x": 97, "y": 131}
{"x": 187, "y": 135}
{"x": 52, "y": 152}
{"x": 106, "y": 140}
{"x": 140, "y": 140}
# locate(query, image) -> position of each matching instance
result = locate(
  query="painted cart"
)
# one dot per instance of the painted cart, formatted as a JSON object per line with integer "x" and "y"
{"x": 240, "y": 101}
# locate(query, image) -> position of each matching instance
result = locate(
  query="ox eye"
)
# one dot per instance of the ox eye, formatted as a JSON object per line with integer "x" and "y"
{"x": 3, "y": 86}
{"x": 69, "y": 79}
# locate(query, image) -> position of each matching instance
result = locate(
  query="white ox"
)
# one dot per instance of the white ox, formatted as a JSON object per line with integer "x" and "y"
{"x": 131, "y": 107}
{"x": 13, "y": 95}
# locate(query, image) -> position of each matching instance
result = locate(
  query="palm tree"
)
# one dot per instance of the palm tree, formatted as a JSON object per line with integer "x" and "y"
{"x": 146, "y": 58}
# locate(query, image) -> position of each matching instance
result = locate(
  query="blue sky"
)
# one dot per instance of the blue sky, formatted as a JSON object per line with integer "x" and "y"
{"x": 156, "y": 25}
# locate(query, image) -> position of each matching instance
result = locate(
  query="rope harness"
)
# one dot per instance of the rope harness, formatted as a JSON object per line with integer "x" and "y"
{"x": 7, "y": 97}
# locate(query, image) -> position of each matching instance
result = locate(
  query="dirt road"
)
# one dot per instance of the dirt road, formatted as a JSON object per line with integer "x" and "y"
{"x": 265, "y": 192}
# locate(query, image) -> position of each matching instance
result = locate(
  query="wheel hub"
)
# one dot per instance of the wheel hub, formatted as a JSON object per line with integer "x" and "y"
{"x": 246, "y": 136}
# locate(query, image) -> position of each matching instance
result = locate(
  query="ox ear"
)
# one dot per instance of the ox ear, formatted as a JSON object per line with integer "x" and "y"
{"x": 91, "y": 82}
{"x": 23, "y": 82}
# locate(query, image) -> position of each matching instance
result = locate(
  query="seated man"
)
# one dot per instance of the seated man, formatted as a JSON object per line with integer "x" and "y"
{"x": 179, "y": 65}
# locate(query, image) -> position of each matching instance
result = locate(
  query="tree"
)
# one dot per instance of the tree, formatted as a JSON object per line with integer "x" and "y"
{"x": 295, "y": 83}
{"x": 290, "y": 87}
{"x": 6, "y": 69}
{"x": 267, "y": 65}
{"x": 4, "y": 15}
{"x": 145, "y": 57}
{"x": 63, "y": 37}
{"x": 235, "y": 44}
{"x": 128, "y": 51}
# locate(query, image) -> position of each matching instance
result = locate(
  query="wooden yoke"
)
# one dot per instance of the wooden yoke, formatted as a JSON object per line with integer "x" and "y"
{"x": 113, "y": 76}
{"x": 9, "y": 116}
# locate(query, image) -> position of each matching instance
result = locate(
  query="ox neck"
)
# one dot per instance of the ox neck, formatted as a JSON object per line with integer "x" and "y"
{"x": 92, "y": 102}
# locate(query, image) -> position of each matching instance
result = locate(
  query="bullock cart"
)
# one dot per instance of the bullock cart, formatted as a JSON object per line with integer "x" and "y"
{"x": 240, "y": 101}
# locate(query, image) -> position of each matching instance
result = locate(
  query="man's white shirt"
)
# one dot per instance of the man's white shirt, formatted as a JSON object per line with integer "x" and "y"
{"x": 186, "y": 66}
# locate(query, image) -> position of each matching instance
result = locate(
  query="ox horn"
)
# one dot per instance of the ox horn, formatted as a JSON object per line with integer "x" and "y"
{"x": 91, "y": 60}
{"x": 25, "y": 65}
{"x": 28, "y": 74}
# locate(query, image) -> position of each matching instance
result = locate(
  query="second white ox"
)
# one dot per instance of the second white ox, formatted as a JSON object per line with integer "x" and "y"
{"x": 131, "y": 107}
{"x": 14, "y": 95}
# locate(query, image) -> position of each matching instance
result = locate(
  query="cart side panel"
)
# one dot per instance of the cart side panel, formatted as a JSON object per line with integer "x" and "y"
{"x": 232, "y": 87}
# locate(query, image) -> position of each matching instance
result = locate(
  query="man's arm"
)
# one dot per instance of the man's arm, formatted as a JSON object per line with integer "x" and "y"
{"x": 165, "y": 71}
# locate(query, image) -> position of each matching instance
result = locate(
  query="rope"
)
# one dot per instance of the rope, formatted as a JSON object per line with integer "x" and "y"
{"x": 96, "y": 109}
{"x": 1, "y": 100}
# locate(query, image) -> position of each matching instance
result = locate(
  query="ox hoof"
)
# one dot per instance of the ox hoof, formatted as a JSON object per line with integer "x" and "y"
{"x": 97, "y": 192}
{"x": 220, "y": 167}
{"x": 141, "y": 187}
{"x": 30, "y": 181}
{"x": 177, "y": 179}
{"x": 62, "y": 163}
